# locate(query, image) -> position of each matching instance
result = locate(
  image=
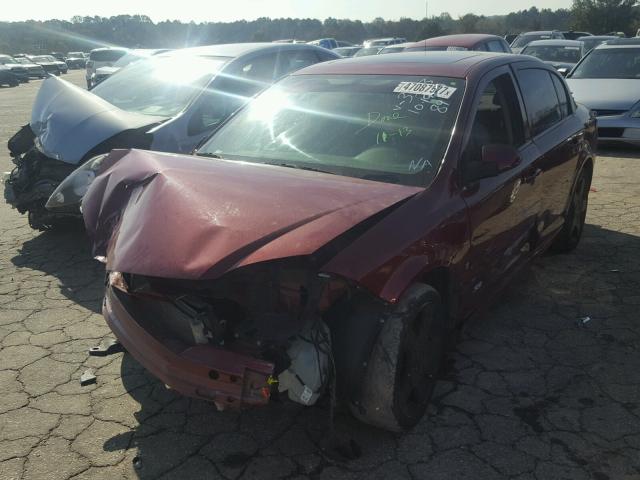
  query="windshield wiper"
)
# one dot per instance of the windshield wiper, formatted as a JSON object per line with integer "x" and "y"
{"x": 208, "y": 155}
{"x": 300, "y": 167}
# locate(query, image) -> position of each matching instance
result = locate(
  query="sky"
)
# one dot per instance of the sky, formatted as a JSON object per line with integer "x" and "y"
{"x": 229, "y": 10}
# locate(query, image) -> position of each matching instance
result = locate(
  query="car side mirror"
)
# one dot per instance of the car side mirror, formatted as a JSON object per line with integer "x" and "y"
{"x": 563, "y": 71}
{"x": 500, "y": 157}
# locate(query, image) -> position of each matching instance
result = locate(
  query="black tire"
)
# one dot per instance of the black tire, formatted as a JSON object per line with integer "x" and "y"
{"x": 569, "y": 237}
{"x": 43, "y": 220}
{"x": 404, "y": 364}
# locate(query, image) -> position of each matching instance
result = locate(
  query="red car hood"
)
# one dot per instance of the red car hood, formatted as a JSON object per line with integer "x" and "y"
{"x": 184, "y": 217}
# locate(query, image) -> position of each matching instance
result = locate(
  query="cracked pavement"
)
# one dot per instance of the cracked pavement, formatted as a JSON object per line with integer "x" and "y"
{"x": 546, "y": 385}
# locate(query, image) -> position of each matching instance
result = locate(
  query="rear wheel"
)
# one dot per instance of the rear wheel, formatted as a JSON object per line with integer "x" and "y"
{"x": 404, "y": 364}
{"x": 569, "y": 237}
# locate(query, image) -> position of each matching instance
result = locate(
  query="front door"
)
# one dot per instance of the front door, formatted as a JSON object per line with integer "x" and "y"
{"x": 502, "y": 206}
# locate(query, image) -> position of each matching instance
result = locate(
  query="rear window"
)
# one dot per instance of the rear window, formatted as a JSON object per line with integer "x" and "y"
{"x": 554, "y": 53}
{"x": 107, "y": 55}
{"x": 443, "y": 48}
{"x": 524, "y": 40}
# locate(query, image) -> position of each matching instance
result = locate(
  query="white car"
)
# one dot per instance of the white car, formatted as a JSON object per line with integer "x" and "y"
{"x": 102, "y": 57}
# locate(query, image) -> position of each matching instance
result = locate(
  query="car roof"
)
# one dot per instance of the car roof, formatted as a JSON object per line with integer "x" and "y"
{"x": 598, "y": 37}
{"x": 622, "y": 42}
{"x": 539, "y": 32}
{"x": 466, "y": 40}
{"x": 556, "y": 42}
{"x": 237, "y": 49}
{"x": 399, "y": 45}
{"x": 109, "y": 48}
{"x": 457, "y": 64}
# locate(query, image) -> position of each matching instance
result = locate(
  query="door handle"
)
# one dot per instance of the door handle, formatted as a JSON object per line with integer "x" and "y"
{"x": 531, "y": 177}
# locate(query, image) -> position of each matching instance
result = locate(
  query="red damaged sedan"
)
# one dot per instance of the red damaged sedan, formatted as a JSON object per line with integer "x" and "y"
{"x": 334, "y": 232}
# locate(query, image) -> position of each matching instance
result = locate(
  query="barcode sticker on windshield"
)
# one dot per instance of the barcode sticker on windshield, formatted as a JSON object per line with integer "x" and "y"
{"x": 437, "y": 90}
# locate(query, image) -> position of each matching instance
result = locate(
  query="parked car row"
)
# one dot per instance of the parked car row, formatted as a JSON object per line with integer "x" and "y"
{"x": 242, "y": 198}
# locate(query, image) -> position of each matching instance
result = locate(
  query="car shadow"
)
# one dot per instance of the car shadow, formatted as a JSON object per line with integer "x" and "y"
{"x": 189, "y": 438}
{"x": 173, "y": 430}
{"x": 618, "y": 151}
{"x": 66, "y": 255}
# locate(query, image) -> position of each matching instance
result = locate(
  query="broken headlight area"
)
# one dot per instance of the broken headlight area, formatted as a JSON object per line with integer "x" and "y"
{"x": 267, "y": 313}
{"x": 71, "y": 190}
{"x": 21, "y": 142}
{"x": 33, "y": 179}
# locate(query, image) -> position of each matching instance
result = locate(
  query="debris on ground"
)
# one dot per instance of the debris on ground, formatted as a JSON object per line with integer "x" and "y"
{"x": 87, "y": 378}
{"x": 108, "y": 346}
{"x": 585, "y": 320}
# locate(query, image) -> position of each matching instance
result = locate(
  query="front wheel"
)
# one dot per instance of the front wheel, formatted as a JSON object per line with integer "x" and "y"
{"x": 43, "y": 220}
{"x": 569, "y": 237}
{"x": 404, "y": 364}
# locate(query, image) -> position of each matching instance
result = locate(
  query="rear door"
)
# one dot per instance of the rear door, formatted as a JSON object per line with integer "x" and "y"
{"x": 502, "y": 207}
{"x": 557, "y": 134}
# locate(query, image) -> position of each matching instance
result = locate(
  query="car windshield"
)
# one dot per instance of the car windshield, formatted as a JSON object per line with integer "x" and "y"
{"x": 392, "y": 50}
{"x": 129, "y": 58}
{"x": 591, "y": 43}
{"x": 106, "y": 55}
{"x": 161, "y": 86}
{"x": 346, "y": 51}
{"x": 610, "y": 63}
{"x": 42, "y": 58}
{"x": 553, "y": 53}
{"x": 364, "y": 52}
{"x": 388, "y": 128}
{"x": 524, "y": 40}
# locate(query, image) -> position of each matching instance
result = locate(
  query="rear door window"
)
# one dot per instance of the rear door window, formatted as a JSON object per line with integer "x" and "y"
{"x": 540, "y": 99}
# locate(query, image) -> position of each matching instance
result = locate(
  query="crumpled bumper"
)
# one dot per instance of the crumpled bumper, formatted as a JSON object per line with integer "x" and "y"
{"x": 227, "y": 378}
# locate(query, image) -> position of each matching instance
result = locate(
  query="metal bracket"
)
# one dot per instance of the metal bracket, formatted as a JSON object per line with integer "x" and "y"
{"x": 107, "y": 347}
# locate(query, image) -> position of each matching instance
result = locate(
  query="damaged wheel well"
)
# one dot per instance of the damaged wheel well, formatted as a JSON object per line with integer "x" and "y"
{"x": 439, "y": 279}
{"x": 588, "y": 168}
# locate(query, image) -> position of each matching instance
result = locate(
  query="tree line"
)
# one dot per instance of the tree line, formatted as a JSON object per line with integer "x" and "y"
{"x": 138, "y": 31}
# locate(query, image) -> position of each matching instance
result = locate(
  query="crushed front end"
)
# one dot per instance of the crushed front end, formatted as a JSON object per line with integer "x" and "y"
{"x": 253, "y": 333}
{"x": 34, "y": 177}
